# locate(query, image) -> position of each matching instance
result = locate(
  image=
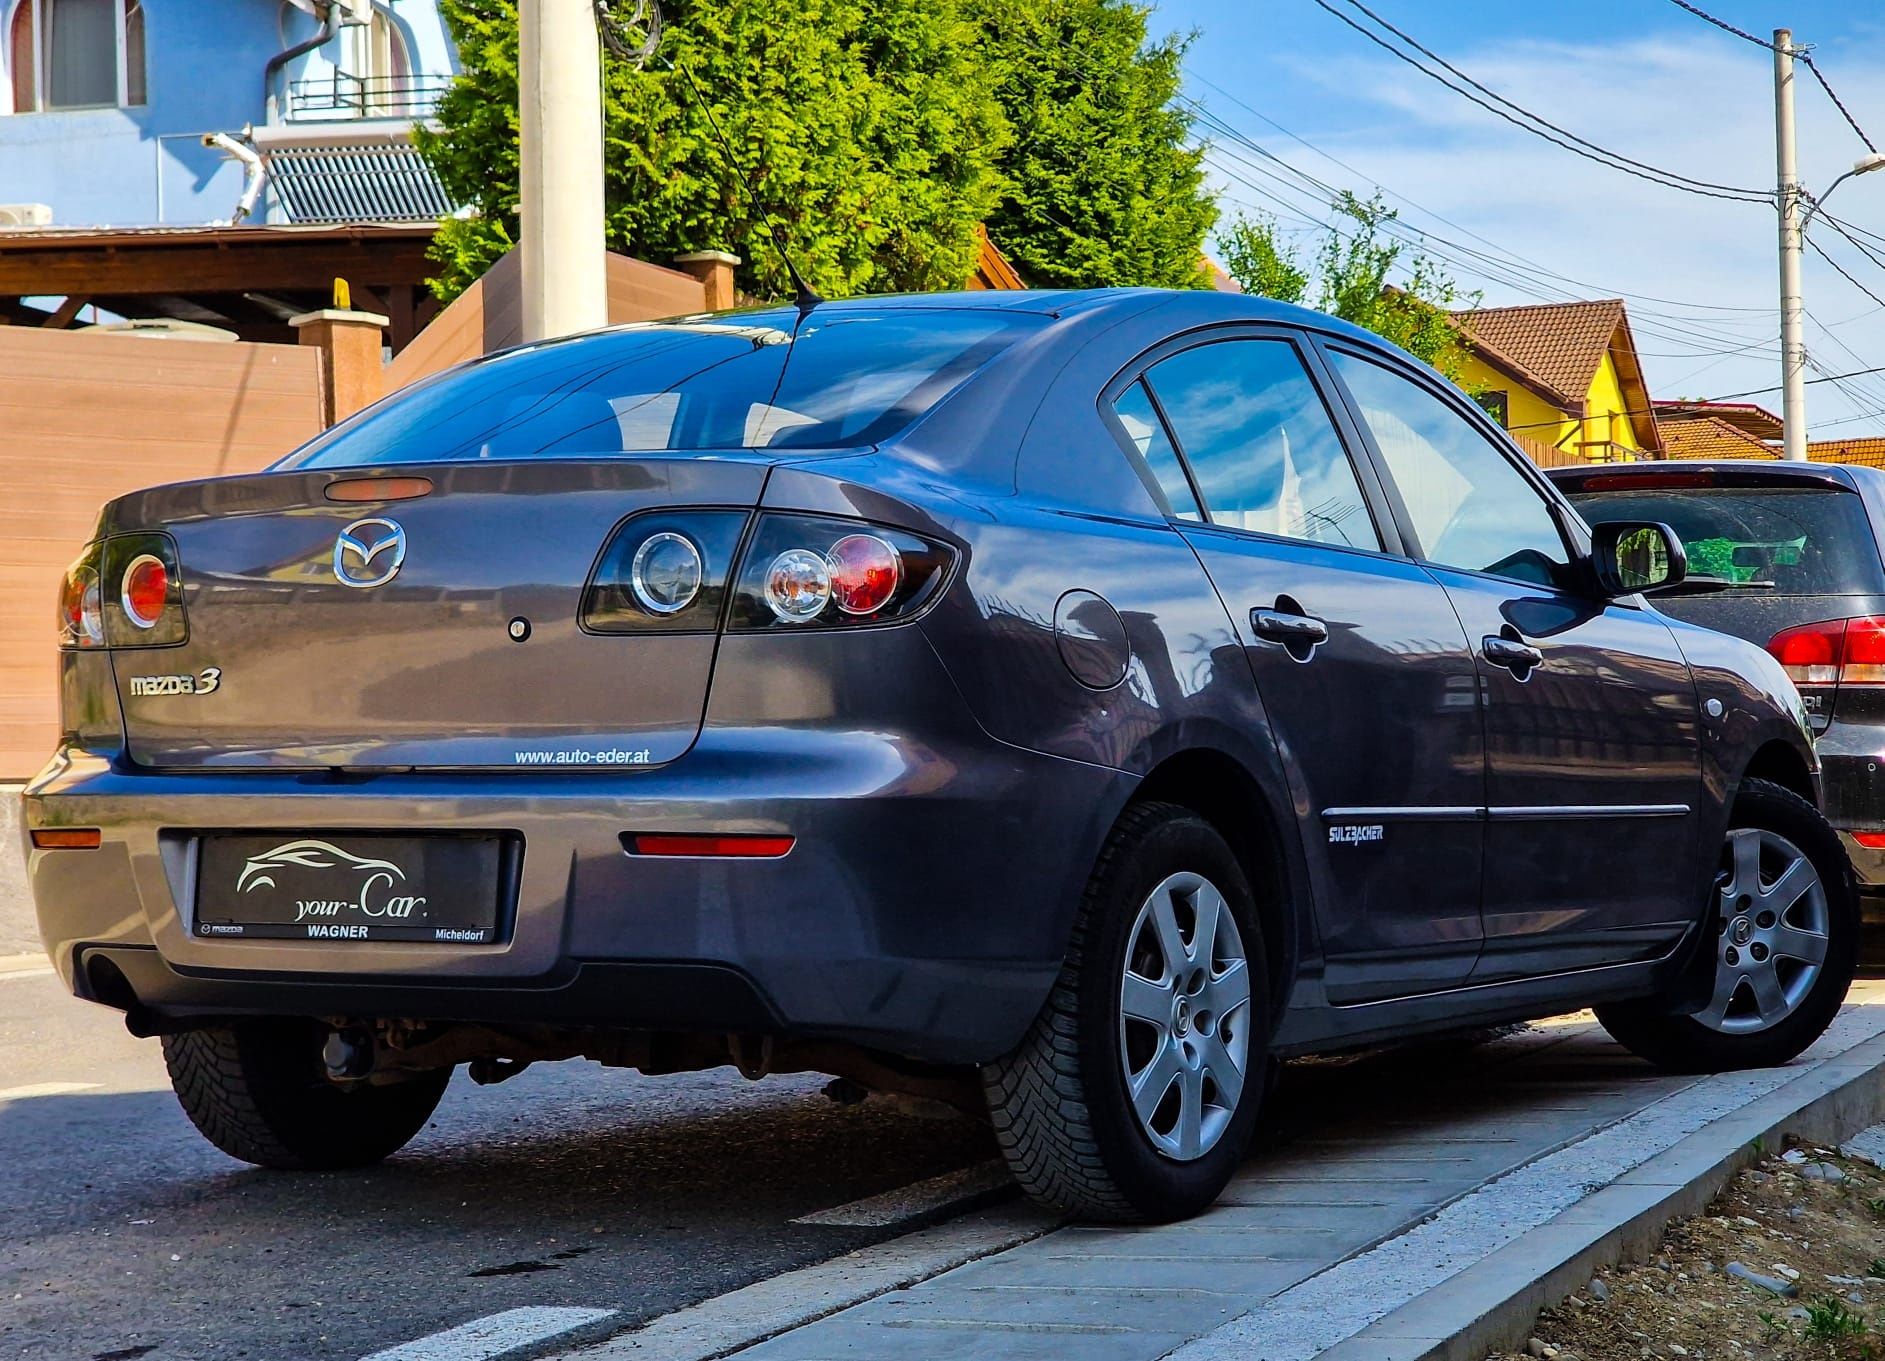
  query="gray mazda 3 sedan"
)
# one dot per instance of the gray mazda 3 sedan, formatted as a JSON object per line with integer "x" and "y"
{"x": 1066, "y": 704}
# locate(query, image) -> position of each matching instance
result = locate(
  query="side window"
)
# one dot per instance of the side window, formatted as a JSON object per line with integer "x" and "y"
{"x": 1147, "y": 432}
{"x": 1469, "y": 506}
{"x": 1264, "y": 451}
{"x": 75, "y": 54}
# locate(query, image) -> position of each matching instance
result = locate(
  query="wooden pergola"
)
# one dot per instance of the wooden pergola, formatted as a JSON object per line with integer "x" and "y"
{"x": 249, "y": 280}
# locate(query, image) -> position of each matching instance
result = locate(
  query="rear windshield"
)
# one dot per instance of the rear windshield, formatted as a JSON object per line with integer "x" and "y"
{"x": 1806, "y": 542}
{"x": 851, "y": 377}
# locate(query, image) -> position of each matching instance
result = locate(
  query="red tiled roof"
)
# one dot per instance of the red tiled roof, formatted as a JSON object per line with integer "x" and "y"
{"x": 1866, "y": 449}
{"x": 1748, "y": 417}
{"x": 1710, "y": 437}
{"x": 1557, "y": 347}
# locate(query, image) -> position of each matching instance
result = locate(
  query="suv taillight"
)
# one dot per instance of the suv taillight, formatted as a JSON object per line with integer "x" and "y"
{"x": 1833, "y": 651}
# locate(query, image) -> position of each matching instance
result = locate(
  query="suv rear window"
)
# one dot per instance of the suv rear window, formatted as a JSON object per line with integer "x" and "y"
{"x": 1814, "y": 541}
{"x": 851, "y": 377}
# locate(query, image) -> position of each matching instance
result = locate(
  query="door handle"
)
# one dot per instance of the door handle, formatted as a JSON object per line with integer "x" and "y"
{"x": 1515, "y": 656}
{"x": 1298, "y": 633}
{"x": 1279, "y": 626}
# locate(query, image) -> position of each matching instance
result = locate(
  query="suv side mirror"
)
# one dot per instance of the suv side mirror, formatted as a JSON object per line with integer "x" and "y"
{"x": 1629, "y": 556}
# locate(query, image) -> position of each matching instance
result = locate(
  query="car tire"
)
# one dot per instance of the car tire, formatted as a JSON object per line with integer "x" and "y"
{"x": 1061, "y": 1101}
{"x": 1771, "y": 999}
{"x": 258, "y": 1090}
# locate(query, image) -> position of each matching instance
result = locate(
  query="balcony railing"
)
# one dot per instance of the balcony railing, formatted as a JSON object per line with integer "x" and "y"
{"x": 340, "y": 95}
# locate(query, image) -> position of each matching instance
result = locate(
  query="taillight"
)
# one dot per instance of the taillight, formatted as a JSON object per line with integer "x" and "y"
{"x": 1810, "y": 653}
{"x": 669, "y": 572}
{"x": 1833, "y": 651}
{"x": 804, "y": 571}
{"x": 865, "y": 572}
{"x": 1864, "y": 662}
{"x": 82, "y": 602}
{"x": 664, "y": 572}
{"x": 143, "y": 592}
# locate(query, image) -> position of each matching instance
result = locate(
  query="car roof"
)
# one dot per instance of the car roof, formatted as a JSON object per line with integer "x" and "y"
{"x": 1205, "y": 306}
{"x": 1722, "y": 472}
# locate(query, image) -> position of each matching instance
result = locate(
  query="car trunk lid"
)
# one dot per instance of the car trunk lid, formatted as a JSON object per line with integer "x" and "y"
{"x": 469, "y": 653}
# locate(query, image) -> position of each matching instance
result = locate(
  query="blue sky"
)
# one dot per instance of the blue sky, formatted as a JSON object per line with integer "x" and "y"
{"x": 1640, "y": 77}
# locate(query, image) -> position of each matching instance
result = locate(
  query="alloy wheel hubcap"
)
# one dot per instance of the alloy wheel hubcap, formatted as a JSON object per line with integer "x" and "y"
{"x": 1184, "y": 1016}
{"x": 1772, "y": 927}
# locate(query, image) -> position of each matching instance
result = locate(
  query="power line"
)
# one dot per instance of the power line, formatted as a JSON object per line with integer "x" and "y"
{"x": 1500, "y": 270}
{"x": 1871, "y": 253}
{"x": 1803, "y": 57}
{"x": 1506, "y": 251}
{"x": 1696, "y": 344}
{"x": 1477, "y": 263}
{"x": 1821, "y": 252}
{"x": 1640, "y": 169}
{"x": 1756, "y": 392}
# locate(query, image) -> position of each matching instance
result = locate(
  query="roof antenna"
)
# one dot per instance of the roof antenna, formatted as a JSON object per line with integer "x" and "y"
{"x": 802, "y": 295}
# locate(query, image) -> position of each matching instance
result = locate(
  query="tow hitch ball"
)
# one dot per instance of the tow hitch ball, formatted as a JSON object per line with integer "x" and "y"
{"x": 348, "y": 1054}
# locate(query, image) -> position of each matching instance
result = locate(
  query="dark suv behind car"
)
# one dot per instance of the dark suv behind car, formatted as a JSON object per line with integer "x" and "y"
{"x": 1785, "y": 555}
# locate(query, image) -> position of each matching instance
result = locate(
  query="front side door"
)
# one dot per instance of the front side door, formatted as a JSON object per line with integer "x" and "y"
{"x": 1592, "y": 757}
{"x": 1361, "y": 663}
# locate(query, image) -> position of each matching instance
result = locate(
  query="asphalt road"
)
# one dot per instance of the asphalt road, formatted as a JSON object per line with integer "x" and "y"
{"x": 123, "y": 1234}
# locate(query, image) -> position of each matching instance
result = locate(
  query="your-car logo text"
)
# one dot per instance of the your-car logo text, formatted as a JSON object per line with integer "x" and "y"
{"x": 372, "y": 899}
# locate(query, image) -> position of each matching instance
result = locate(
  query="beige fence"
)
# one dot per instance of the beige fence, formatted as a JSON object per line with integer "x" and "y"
{"x": 86, "y": 417}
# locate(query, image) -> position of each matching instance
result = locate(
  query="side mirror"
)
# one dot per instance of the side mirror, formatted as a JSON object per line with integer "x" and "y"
{"x": 1631, "y": 556}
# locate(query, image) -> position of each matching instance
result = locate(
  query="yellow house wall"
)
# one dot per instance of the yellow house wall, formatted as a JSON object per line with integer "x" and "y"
{"x": 1609, "y": 418}
{"x": 1526, "y": 413}
{"x": 1529, "y": 414}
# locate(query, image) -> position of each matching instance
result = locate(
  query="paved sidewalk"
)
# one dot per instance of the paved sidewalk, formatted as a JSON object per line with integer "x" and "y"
{"x": 1552, "y": 1114}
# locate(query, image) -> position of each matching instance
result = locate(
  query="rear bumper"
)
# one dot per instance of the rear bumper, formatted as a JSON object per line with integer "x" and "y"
{"x": 924, "y": 908}
{"x": 1852, "y": 775}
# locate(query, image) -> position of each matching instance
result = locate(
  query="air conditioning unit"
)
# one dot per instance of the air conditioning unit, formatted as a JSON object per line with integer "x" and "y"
{"x": 25, "y": 215}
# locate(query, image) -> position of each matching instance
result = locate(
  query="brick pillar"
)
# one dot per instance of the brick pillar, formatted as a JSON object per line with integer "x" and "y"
{"x": 353, "y": 375}
{"x": 714, "y": 269}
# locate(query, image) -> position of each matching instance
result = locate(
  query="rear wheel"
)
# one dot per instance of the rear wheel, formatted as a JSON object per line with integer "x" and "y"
{"x": 1783, "y": 936}
{"x": 259, "y": 1091}
{"x": 1134, "y": 1094}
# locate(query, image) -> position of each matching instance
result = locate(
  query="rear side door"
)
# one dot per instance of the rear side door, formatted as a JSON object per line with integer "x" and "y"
{"x": 1592, "y": 754}
{"x": 1360, "y": 661}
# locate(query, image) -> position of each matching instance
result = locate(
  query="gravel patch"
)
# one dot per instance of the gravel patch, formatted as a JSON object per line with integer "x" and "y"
{"x": 1788, "y": 1264}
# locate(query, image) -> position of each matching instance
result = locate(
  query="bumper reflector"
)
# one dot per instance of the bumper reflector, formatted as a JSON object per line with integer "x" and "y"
{"x": 1872, "y": 841}
{"x": 67, "y": 838}
{"x": 758, "y": 846}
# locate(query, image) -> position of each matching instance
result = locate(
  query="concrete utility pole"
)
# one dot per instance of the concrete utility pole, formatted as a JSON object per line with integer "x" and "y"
{"x": 560, "y": 210}
{"x": 1792, "y": 309}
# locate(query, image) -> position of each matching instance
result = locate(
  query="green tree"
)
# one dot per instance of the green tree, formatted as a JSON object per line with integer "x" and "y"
{"x": 1105, "y": 183}
{"x": 1361, "y": 274}
{"x": 869, "y": 130}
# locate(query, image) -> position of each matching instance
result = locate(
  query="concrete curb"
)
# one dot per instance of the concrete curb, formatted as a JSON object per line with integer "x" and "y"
{"x": 1493, "y": 1304}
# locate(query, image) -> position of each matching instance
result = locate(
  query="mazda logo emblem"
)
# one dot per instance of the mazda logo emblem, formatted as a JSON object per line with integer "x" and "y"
{"x": 369, "y": 552}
